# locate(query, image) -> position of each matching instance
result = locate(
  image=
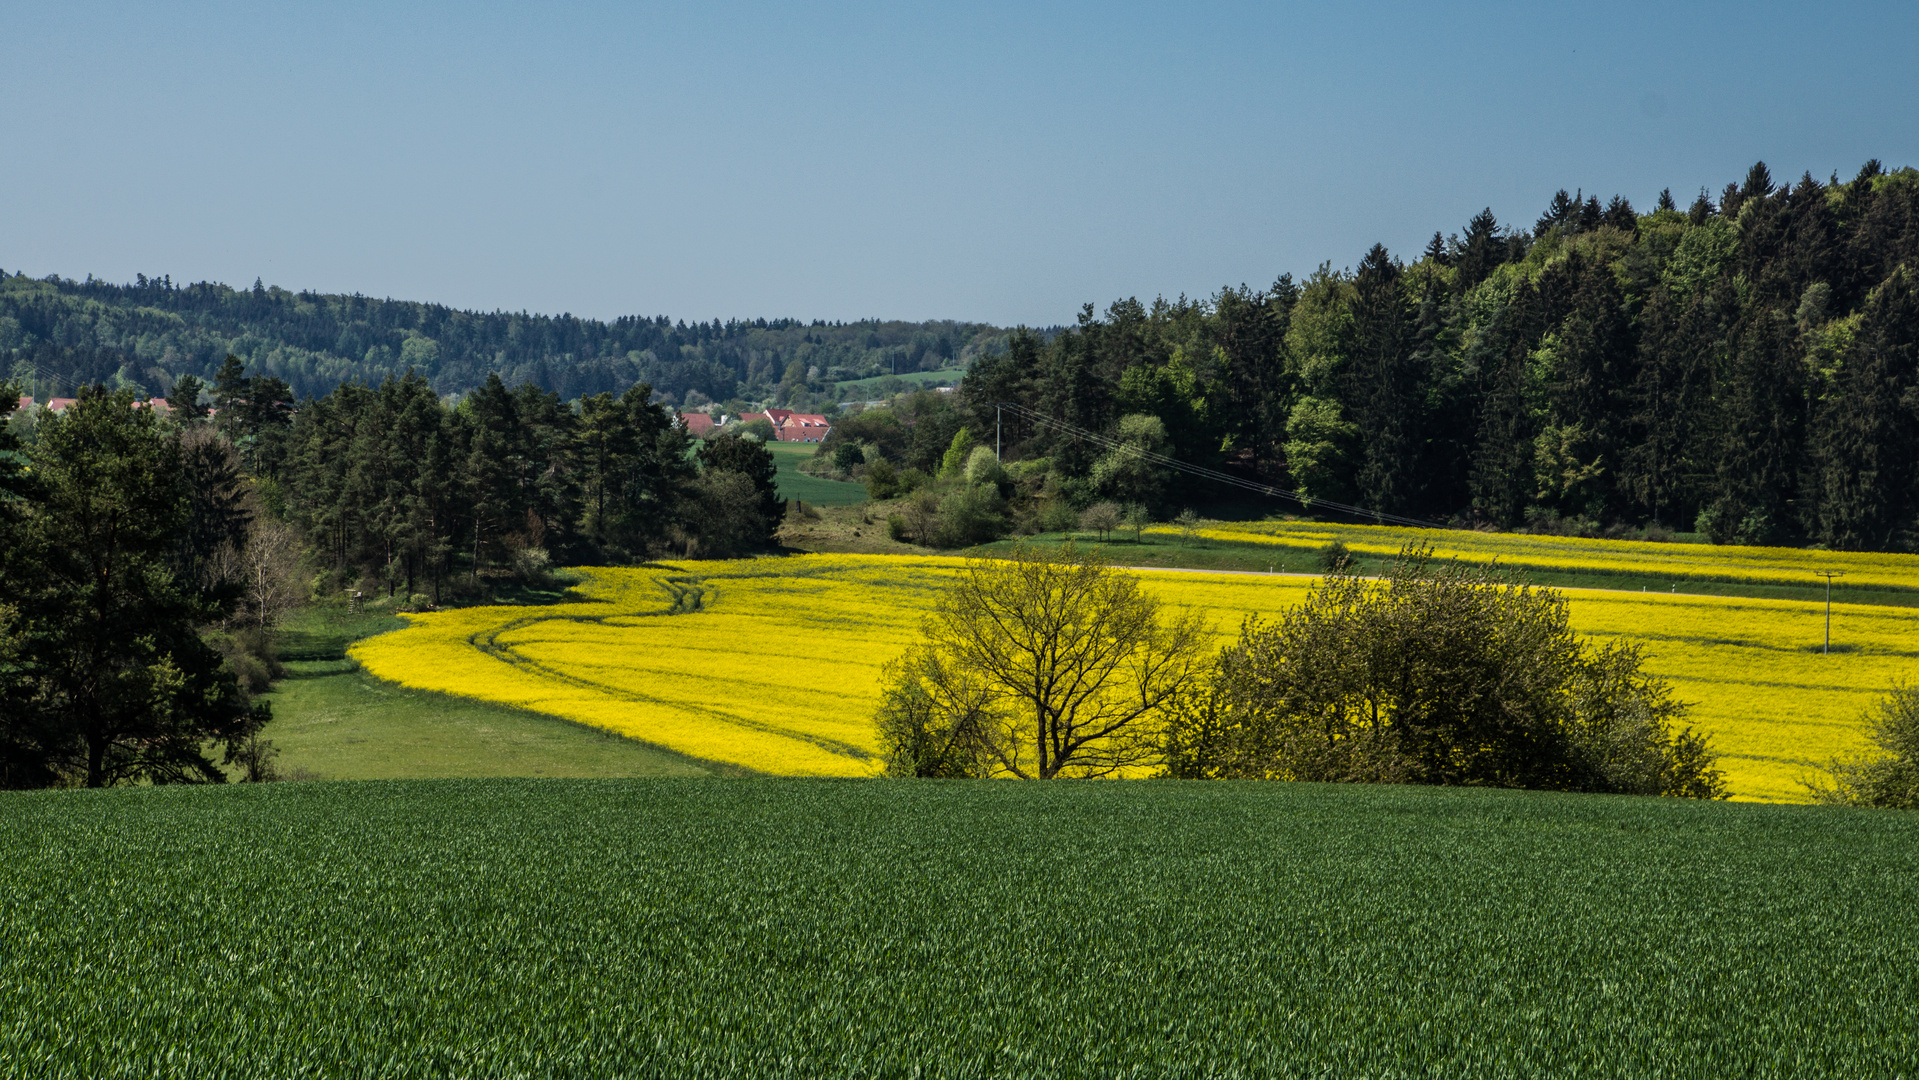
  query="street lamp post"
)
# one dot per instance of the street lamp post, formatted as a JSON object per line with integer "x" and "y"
{"x": 1828, "y": 575}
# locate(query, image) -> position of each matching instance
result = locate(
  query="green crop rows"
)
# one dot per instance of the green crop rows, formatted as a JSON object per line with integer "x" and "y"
{"x": 661, "y": 927}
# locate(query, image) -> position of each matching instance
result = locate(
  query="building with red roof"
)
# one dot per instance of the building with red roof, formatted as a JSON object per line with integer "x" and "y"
{"x": 790, "y": 426}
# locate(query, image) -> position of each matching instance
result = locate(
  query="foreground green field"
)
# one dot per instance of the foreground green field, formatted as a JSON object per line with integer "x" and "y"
{"x": 773, "y": 664}
{"x": 700, "y": 928}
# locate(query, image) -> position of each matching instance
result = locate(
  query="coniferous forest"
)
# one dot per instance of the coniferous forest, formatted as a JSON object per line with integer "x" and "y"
{"x": 1741, "y": 364}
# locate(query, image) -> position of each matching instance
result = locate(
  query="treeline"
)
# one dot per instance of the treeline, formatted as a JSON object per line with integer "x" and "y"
{"x": 146, "y": 556}
{"x": 59, "y": 335}
{"x": 396, "y": 489}
{"x": 1744, "y": 365}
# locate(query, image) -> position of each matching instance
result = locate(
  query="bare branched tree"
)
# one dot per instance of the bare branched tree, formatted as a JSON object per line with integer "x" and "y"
{"x": 1045, "y": 664}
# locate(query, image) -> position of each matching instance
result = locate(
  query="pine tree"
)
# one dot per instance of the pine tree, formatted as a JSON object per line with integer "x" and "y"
{"x": 1866, "y": 471}
{"x": 1383, "y": 386}
{"x": 1759, "y": 430}
{"x": 1562, "y": 214}
{"x": 1587, "y": 391}
{"x": 1701, "y": 209}
{"x": 1501, "y": 482}
{"x": 1675, "y": 350}
{"x": 1481, "y": 251}
{"x": 123, "y": 688}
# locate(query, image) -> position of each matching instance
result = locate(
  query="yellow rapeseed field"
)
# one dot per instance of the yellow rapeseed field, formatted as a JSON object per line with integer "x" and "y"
{"x": 1682, "y": 564}
{"x": 774, "y": 663}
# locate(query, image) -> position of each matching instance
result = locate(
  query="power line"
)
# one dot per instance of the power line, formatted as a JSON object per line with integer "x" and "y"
{"x": 1305, "y": 501}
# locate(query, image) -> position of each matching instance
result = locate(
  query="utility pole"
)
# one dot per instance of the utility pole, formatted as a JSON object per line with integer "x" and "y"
{"x": 996, "y": 430}
{"x": 1828, "y": 575}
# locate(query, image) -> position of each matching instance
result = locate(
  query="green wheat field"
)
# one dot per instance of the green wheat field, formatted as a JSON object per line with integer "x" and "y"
{"x": 542, "y": 928}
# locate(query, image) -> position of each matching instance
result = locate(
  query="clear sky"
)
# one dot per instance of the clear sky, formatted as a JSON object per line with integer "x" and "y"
{"x": 998, "y": 162}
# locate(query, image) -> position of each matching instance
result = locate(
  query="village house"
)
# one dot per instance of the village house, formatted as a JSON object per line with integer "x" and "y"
{"x": 790, "y": 426}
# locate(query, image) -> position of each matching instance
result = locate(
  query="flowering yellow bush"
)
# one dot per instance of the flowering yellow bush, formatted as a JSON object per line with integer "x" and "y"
{"x": 774, "y": 663}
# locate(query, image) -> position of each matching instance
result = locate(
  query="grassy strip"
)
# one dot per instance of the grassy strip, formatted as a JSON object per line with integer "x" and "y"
{"x": 594, "y": 928}
{"x": 333, "y": 721}
{"x": 920, "y": 378}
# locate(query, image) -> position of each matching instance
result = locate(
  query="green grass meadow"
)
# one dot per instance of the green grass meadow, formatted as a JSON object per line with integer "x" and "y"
{"x": 332, "y": 721}
{"x": 795, "y": 484}
{"x": 871, "y": 384}
{"x": 547, "y": 928}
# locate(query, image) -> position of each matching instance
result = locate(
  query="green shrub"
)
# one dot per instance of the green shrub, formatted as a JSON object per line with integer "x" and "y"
{"x": 848, "y": 456}
{"x": 882, "y": 482}
{"x": 1889, "y": 777}
{"x": 983, "y": 467}
{"x": 1057, "y": 515}
{"x": 970, "y": 514}
{"x": 1446, "y": 674}
{"x": 1336, "y": 558}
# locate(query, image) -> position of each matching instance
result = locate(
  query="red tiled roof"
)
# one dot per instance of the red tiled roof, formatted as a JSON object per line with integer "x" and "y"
{"x": 697, "y": 423}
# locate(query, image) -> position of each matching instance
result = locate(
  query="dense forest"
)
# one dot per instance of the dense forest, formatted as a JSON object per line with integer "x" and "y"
{"x": 1743, "y": 365}
{"x": 57, "y": 335}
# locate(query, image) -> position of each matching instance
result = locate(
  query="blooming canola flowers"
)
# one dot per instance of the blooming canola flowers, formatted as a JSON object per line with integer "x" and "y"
{"x": 1681, "y": 564}
{"x": 774, "y": 663}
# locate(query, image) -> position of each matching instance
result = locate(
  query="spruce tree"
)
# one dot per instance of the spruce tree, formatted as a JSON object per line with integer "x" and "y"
{"x": 1384, "y": 386}
{"x": 1481, "y": 251}
{"x": 1867, "y": 453}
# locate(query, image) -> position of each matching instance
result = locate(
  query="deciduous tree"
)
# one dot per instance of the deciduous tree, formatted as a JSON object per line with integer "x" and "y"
{"x": 1048, "y": 663}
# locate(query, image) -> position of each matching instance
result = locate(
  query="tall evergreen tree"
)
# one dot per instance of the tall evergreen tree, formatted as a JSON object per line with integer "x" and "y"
{"x": 1867, "y": 457}
{"x": 122, "y": 686}
{"x": 1384, "y": 386}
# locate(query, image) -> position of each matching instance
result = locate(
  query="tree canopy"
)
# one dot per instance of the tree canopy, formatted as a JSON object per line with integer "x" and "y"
{"x": 1044, "y": 664}
{"x": 1437, "y": 674}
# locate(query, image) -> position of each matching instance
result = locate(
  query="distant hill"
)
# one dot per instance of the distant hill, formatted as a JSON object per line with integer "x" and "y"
{"x": 63, "y": 333}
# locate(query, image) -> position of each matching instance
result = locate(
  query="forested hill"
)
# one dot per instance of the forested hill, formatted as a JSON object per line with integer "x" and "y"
{"x": 1747, "y": 365}
{"x": 152, "y": 331}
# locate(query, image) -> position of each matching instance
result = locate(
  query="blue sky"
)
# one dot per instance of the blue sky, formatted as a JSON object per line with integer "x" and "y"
{"x": 999, "y": 162}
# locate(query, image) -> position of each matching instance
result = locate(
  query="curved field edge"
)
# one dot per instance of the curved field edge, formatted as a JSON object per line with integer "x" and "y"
{"x": 590, "y": 928}
{"x": 773, "y": 664}
{"x": 655, "y": 654}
